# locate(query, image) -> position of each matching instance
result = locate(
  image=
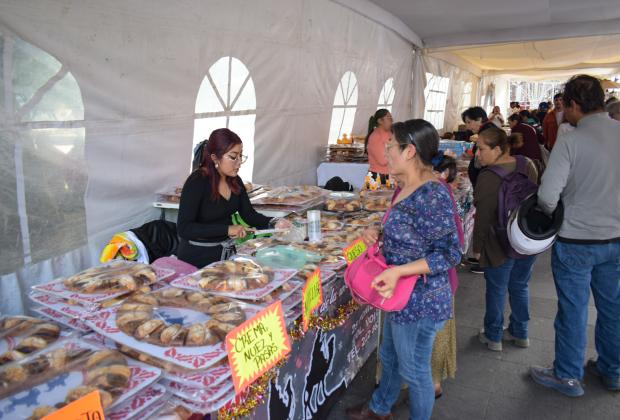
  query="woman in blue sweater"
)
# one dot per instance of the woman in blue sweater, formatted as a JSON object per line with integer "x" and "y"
{"x": 419, "y": 237}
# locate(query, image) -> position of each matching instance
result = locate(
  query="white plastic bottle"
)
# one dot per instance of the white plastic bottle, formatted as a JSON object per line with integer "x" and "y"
{"x": 314, "y": 226}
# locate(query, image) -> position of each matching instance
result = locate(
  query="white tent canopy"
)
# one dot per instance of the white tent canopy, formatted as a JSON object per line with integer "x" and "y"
{"x": 102, "y": 102}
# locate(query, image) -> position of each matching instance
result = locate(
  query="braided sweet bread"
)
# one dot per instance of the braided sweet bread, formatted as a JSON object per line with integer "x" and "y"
{"x": 234, "y": 276}
{"x": 32, "y": 334}
{"x": 114, "y": 277}
{"x": 136, "y": 318}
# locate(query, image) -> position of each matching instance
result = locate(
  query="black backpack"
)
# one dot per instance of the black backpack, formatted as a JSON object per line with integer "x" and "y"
{"x": 337, "y": 184}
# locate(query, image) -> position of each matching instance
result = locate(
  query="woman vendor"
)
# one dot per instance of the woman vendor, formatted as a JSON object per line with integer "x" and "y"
{"x": 210, "y": 196}
{"x": 379, "y": 133}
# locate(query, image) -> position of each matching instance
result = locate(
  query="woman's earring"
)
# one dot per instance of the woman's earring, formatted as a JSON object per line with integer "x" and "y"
{"x": 217, "y": 165}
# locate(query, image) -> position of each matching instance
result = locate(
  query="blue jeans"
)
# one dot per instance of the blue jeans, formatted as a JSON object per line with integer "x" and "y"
{"x": 406, "y": 356}
{"x": 513, "y": 277}
{"x": 576, "y": 269}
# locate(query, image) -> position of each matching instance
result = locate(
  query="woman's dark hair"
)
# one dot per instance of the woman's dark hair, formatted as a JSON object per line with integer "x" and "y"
{"x": 515, "y": 117}
{"x": 373, "y": 122}
{"x": 525, "y": 113}
{"x": 586, "y": 91}
{"x": 442, "y": 163}
{"x": 220, "y": 142}
{"x": 475, "y": 113}
{"x": 424, "y": 138}
{"x": 557, "y": 95}
{"x": 496, "y": 137}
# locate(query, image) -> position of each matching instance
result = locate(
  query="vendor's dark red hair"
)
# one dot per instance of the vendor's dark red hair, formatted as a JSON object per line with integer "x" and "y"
{"x": 220, "y": 142}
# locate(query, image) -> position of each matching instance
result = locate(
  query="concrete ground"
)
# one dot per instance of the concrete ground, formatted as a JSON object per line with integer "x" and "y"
{"x": 490, "y": 385}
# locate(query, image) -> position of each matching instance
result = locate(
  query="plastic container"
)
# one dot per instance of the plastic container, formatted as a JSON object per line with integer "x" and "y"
{"x": 314, "y": 225}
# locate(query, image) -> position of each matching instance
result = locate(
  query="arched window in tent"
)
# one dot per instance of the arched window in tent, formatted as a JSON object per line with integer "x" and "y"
{"x": 42, "y": 187}
{"x": 386, "y": 96}
{"x": 435, "y": 96}
{"x": 227, "y": 99}
{"x": 345, "y": 105}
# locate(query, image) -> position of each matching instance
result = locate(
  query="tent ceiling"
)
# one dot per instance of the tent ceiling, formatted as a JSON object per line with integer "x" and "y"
{"x": 600, "y": 52}
{"x": 442, "y": 23}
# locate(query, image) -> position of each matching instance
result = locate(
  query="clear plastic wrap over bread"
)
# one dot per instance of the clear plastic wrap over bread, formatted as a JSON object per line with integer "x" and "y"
{"x": 105, "y": 369}
{"x": 234, "y": 275}
{"x": 116, "y": 276}
{"x": 377, "y": 200}
{"x": 143, "y": 317}
{"x": 24, "y": 335}
{"x": 70, "y": 374}
{"x": 295, "y": 195}
{"x": 330, "y": 249}
{"x": 343, "y": 202}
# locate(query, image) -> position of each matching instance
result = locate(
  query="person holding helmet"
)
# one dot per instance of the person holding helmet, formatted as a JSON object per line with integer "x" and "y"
{"x": 583, "y": 171}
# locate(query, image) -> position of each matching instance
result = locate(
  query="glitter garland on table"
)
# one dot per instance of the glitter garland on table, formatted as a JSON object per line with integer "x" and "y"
{"x": 257, "y": 392}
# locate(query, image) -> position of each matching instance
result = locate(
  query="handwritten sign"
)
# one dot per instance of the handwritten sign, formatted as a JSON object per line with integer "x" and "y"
{"x": 353, "y": 251}
{"x": 257, "y": 345}
{"x": 86, "y": 408}
{"x": 312, "y": 296}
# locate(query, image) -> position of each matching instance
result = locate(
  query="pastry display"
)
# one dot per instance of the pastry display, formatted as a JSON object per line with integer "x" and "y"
{"x": 297, "y": 195}
{"x": 234, "y": 275}
{"x": 29, "y": 335}
{"x": 105, "y": 371}
{"x": 37, "y": 368}
{"x": 118, "y": 276}
{"x": 136, "y": 317}
{"x": 376, "y": 203}
{"x": 342, "y": 205}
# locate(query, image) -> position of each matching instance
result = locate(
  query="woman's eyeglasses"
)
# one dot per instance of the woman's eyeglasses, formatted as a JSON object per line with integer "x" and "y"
{"x": 237, "y": 159}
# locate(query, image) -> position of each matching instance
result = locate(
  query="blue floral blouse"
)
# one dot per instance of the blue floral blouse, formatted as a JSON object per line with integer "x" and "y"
{"x": 422, "y": 226}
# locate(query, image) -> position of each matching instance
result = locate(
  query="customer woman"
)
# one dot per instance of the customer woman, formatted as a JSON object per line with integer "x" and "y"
{"x": 419, "y": 237}
{"x": 496, "y": 117}
{"x": 210, "y": 196}
{"x": 502, "y": 273}
{"x": 379, "y": 132}
{"x": 443, "y": 359}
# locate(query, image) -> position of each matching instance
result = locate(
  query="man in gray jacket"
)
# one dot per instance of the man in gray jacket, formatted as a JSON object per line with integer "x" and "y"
{"x": 584, "y": 171}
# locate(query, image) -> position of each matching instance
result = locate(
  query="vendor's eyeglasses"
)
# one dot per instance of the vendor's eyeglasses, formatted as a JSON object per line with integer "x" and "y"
{"x": 238, "y": 158}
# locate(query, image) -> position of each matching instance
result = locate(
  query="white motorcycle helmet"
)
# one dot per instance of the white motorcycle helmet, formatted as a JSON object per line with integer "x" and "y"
{"x": 530, "y": 230}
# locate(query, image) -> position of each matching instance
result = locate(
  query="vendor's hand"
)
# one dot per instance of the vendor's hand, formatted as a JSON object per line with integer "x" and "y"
{"x": 477, "y": 255}
{"x": 237, "y": 231}
{"x": 370, "y": 236}
{"x": 385, "y": 283}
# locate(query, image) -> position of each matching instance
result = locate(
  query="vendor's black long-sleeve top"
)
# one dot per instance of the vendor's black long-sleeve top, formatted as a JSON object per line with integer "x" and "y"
{"x": 206, "y": 220}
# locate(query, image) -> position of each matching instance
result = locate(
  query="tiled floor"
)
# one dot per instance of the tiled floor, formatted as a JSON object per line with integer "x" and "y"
{"x": 491, "y": 385}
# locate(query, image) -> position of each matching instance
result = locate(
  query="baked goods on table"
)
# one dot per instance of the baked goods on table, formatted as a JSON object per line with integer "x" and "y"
{"x": 297, "y": 195}
{"x": 137, "y": 318}
{"x": 376, "y": 202}
{"x": 342, "y": 204}
{"x": 117, "y": 276}
{"x": 26, "y": 335}
{"x": 234, "y": 275}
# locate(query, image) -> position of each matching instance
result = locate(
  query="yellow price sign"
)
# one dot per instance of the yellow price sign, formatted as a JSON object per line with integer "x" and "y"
{"x": 257, "y": 345}
{"x": 86, "y": 408}
{"x": 312, "y": 297}
{"x": 353, "y": 251}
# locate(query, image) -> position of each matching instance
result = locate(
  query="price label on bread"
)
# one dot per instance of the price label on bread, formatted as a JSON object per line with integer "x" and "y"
{"x": 353, "y": 251}
{"x": 257, "y": 345}
{"x": 312, "y": 297}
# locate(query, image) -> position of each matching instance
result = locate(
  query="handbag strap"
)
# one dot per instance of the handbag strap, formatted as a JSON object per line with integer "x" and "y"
{"x": 389, "y": 210}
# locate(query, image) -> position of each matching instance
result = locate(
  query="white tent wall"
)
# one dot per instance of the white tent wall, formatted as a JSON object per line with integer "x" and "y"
{"x": 459, "y": 77}
{"x": 139, "y": 66}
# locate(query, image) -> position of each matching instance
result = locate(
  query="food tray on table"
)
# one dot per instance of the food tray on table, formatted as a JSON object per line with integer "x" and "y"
{"x": 290, "y": 196}
{"x": 21, "y": 336}
{"x": 377, "y": 200}
{"x": 140, "y": 404}
{"x": 208, "y": 377}
{"x": 153, "y": 410}
{"x": 329, "y": 249}
{"x": 198, "y": 395}
{"x": 93, "y": 286}
{"x": 241, "y": 278}
{"x": 342, "y": 202}
{"x": 73, "y": 323}
{"x": 183, "y": 327}
{"x": 170, "y": 196}
{"x": 279, "y": 294}
{"x": 69, "y": 370}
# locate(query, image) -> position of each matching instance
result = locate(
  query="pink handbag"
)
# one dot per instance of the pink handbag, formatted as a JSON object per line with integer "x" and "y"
{"x": 360, "y": 274}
